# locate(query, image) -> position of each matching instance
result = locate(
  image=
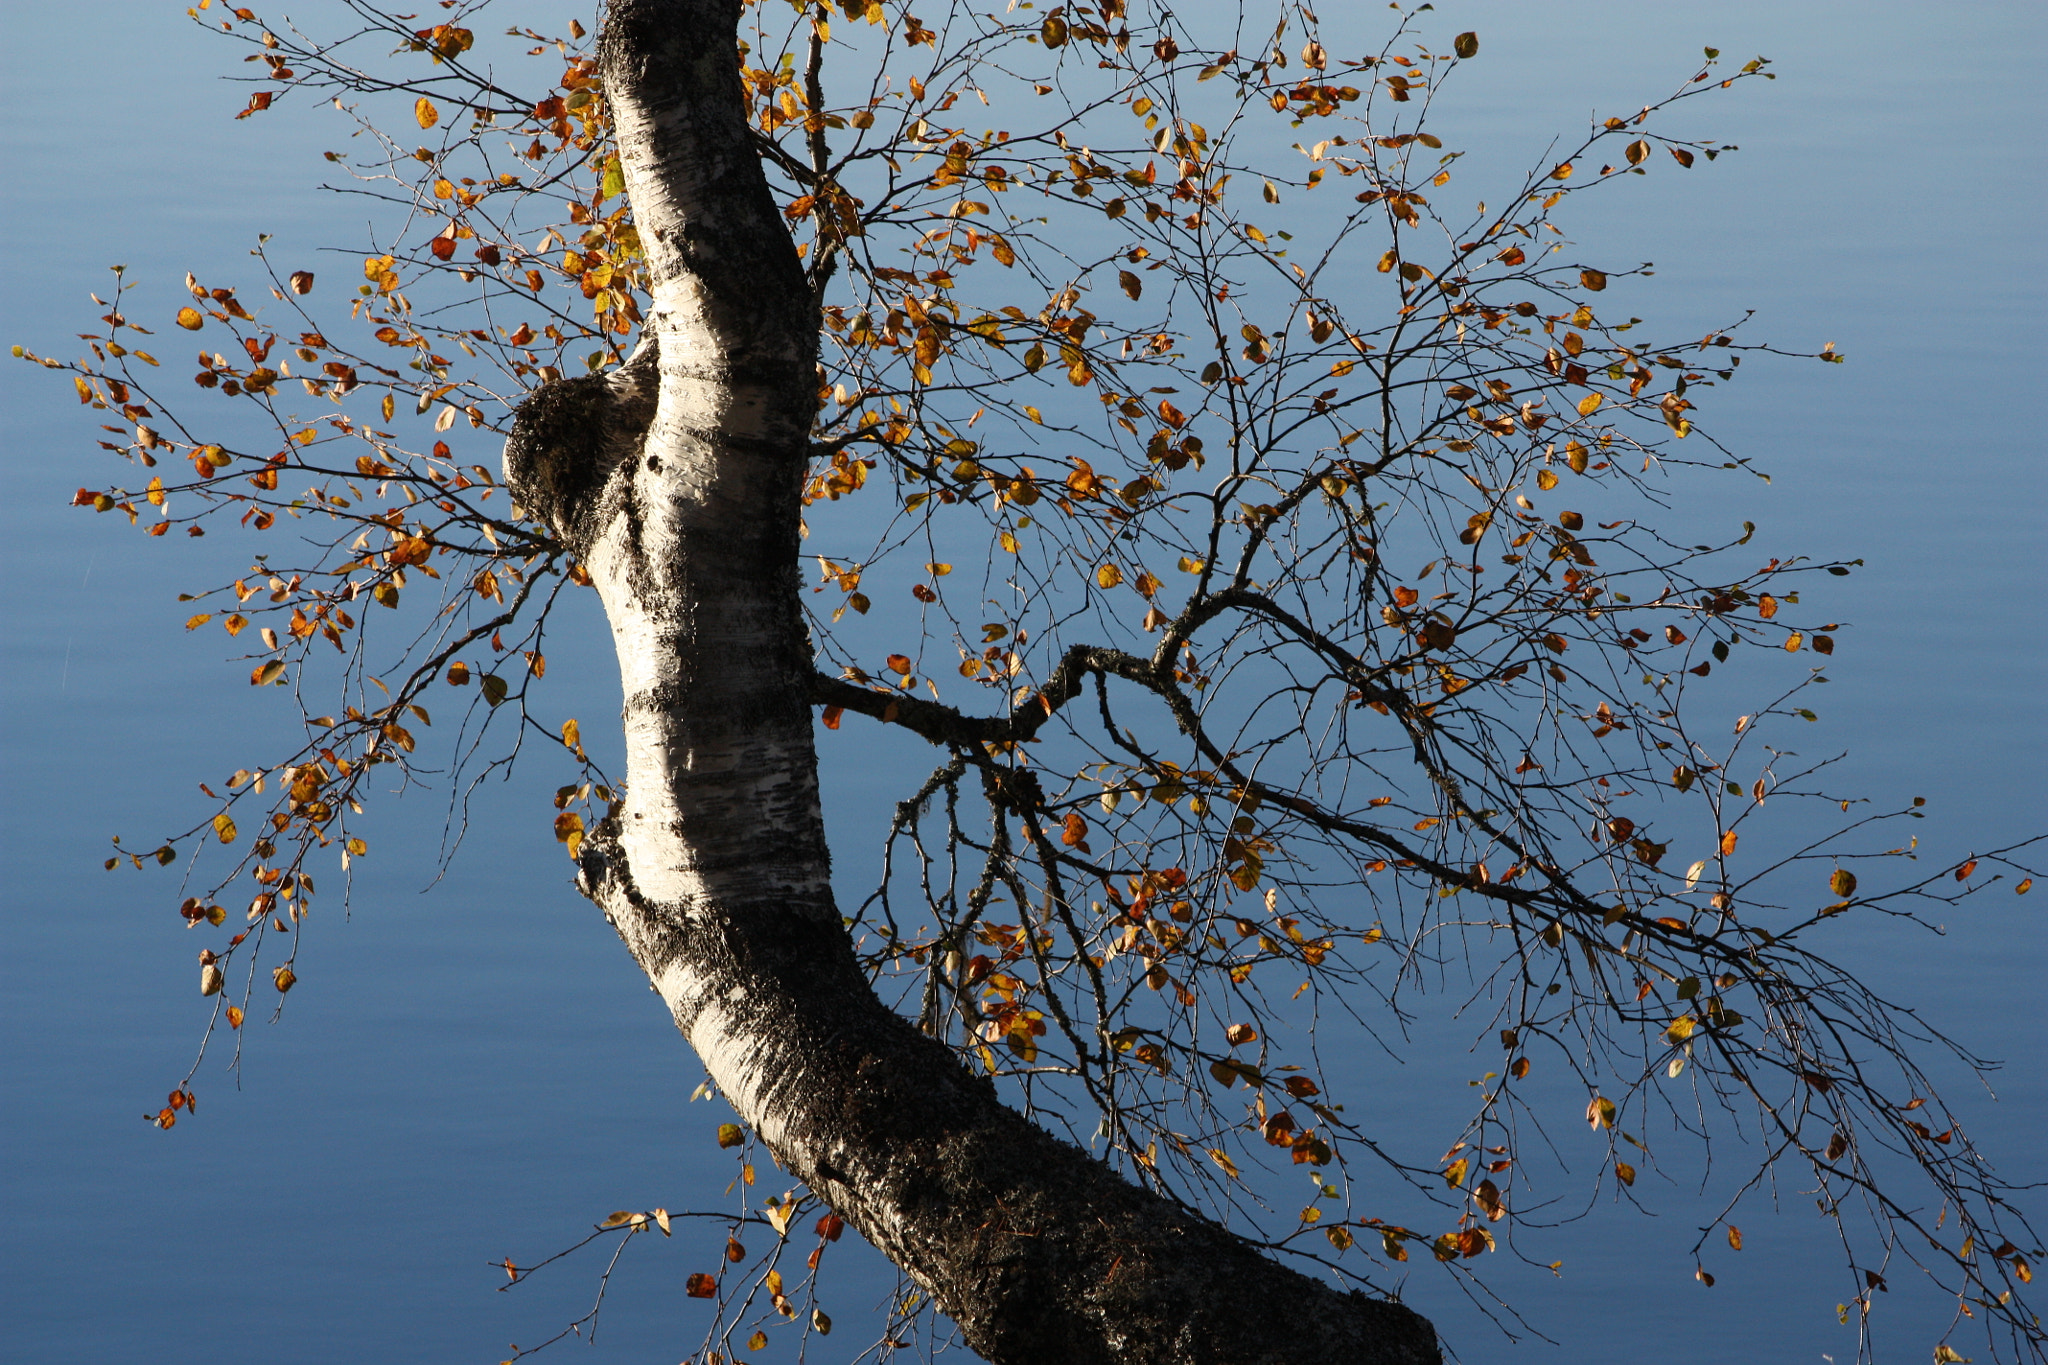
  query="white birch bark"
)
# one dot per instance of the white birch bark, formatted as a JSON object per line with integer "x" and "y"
{"x": 676, "y": 480}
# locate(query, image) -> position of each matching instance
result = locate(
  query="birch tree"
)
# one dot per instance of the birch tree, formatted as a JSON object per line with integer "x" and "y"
{"x": 1115, "y": 433}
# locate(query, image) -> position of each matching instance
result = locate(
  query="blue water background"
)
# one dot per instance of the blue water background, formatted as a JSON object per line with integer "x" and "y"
{"x": 477, "y": 1069}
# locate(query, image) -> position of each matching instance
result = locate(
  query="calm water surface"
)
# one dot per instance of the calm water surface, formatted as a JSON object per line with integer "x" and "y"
{"x": 474, "y": 1067}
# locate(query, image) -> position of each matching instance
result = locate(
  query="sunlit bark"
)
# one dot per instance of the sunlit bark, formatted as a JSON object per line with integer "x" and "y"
{"x": 677, "y": 480}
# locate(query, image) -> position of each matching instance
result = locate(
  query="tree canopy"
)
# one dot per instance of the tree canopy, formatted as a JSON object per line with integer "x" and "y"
{"x": 1289, "y": 573}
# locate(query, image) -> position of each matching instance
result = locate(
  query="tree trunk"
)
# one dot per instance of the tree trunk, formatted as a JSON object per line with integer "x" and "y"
{"x": 677, "y": 481}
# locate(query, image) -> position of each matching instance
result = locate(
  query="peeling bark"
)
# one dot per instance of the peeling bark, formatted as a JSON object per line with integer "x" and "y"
{"x": 677, "y": 481}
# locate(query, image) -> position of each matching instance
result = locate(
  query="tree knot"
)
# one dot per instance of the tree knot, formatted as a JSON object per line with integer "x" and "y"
{"x": 571, "y": 434}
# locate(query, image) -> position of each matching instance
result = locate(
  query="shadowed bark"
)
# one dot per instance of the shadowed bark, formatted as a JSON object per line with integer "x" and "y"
{"x": 677, "y": 481}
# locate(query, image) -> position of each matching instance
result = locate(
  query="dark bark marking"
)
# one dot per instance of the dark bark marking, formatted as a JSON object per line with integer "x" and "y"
{"x": 570, "y": 435}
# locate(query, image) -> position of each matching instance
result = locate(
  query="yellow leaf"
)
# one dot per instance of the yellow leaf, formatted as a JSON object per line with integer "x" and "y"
{"x": 1590, "y": 404}
{"x": 572, "y": 736}
{"x": 1222, "y": 1159}
{"x": 1728, "y": 843}
{"x": 190, "y": 319}
{"x": 661, "y": 1221}
{"x": 1843, "y": 882}
{"x": 1625, "y": 1172}
{"x": 224, "y": 827}
{"x": 1680, "y": 1030}
{"x": 283, "y": 978}
{"x": 1109, "y": 575}
{"x": 423, "y": 109}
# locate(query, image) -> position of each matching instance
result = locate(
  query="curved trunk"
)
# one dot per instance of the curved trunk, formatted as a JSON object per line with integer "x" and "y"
{"x": 677, "y": 479}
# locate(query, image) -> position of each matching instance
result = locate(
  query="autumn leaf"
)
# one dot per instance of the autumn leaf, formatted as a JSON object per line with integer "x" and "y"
{"x": 424, "y": 111}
